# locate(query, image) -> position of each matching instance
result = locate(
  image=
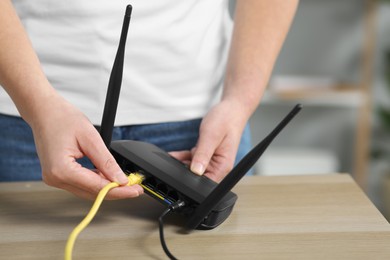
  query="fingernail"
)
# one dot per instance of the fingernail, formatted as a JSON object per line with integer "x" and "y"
{"x": 197, "y": 168}
{"x": 121, "y": 178}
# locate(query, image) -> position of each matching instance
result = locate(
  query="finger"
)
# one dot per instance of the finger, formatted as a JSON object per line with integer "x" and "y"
{"x": 120, "y": 192}
{"x": 125, "y": 192}
{"x": 205, "y": 148}
{"x": 87, "y": 184}
{"x": 94, "y": 148}
{"x": 80, "y": 193}
{"x": 76, "y": 179}
{"x": 181, "y": 155}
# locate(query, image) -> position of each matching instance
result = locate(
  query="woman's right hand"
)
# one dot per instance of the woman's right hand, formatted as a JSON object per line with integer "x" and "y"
{"x": 63, "y": 134}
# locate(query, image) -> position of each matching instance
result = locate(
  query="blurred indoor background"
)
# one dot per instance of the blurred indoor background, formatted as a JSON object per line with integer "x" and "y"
{"x": 336, "y": 62}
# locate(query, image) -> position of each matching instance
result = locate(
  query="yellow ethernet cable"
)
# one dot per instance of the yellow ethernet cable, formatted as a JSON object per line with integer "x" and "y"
{"x": 134, "y": 178}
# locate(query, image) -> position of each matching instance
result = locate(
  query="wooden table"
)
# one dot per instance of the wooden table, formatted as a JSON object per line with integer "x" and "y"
{"x": 295, "y": 217}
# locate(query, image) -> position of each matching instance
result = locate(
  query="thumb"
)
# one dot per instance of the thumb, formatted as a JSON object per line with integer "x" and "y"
{"x": 94, "y": 148}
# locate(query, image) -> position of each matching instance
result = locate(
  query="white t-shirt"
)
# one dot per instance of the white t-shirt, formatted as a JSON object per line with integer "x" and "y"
{"x": 175, "y": 55}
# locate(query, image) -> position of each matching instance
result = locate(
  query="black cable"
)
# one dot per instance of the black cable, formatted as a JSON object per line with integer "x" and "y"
{"x": 162, "y": 240}
{"x": 171, "y": 208}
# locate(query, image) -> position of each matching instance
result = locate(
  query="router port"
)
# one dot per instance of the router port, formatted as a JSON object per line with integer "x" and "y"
{"x": 162, "y": 188}
{"x": 173, "y": 195}
{"x": 151, "y": 182}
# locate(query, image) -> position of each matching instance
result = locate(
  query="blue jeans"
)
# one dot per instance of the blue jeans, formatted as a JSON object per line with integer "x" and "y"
{"x": 19, "y": 160}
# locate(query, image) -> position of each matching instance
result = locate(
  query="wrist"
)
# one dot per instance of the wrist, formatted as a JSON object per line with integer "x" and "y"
{"x": 243, "y": 95}
{"x": 34, "y": 108}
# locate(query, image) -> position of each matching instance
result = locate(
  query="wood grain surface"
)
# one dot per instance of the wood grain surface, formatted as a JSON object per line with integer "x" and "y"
{"x": 283, "y": 217}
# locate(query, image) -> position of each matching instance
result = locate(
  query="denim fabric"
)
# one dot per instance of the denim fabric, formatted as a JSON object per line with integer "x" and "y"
{"x": 19, "y": 160}
{"x": 18, "y": 157}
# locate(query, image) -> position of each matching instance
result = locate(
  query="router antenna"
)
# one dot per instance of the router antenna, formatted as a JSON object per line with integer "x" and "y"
{"x": 237, "y": 173}
{"x": 114, "y": 85}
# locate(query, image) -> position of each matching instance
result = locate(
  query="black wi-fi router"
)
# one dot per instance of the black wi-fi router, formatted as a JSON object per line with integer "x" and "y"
{"x": 207, "y": 203}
